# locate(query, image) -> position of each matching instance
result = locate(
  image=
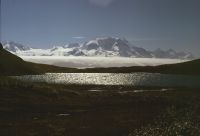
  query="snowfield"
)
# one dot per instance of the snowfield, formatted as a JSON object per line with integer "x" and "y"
{"x": 90, "y": 62}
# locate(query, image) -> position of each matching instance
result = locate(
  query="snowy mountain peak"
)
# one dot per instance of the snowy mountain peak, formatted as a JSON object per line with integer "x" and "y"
{"x": 104, "y": 47}
{"x": 14, "y": 47}
{"x": 108, "y": 43}
{"x": 159, "y": 53}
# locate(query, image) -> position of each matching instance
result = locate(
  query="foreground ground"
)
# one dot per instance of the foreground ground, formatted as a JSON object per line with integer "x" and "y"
{"x": 57, "y": 110}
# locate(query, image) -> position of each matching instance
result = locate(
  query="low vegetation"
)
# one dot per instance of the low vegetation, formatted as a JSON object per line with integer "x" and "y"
{"x": 29, "y": 109}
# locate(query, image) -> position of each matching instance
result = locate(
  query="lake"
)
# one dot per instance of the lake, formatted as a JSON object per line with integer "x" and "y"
{"x": 130, "y": 79}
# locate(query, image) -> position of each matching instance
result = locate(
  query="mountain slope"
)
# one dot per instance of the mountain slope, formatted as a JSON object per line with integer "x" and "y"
{"x": 99, "y": 47}
{"x": 190, "y": 67}
{"x": 11, "y": 64}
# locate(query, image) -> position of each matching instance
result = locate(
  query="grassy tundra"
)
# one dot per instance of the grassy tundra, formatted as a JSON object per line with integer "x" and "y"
{"x": 29, "y": 109}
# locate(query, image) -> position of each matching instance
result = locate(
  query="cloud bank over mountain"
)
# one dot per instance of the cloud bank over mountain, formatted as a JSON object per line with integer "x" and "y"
{"x": 91, "y": 62}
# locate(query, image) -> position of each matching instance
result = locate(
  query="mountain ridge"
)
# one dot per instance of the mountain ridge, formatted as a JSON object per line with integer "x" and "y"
{"x": 101, "y": 47}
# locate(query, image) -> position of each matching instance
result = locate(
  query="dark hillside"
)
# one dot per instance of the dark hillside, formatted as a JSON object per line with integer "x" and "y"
{"x": 12, "y": 65}
{"x": 190, "y": 67}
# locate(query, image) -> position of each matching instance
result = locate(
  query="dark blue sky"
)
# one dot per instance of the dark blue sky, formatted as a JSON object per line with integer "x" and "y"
{"x": 146, "y": 23}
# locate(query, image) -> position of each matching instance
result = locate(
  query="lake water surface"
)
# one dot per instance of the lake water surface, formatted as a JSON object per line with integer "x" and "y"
{"x": 133, "y": 79}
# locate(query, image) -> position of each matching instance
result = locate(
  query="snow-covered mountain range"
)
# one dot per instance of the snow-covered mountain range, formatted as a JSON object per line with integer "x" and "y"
{"x": 99, "y": 47}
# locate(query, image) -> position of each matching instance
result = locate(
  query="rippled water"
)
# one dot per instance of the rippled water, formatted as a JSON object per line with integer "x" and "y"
{"x": 134, "y": 79}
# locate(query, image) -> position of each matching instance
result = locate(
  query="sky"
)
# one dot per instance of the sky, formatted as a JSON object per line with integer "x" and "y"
{"x": 149, "y": 24}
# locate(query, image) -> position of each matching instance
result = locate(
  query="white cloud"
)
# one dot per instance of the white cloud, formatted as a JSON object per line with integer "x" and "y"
{"x": 87, "y": 62}
{"x": 78, "y": 37}
{"x": 101, "y": 3}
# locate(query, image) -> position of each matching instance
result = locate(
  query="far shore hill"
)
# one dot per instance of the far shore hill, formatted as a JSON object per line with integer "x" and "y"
{"x": 12, "y": 65}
